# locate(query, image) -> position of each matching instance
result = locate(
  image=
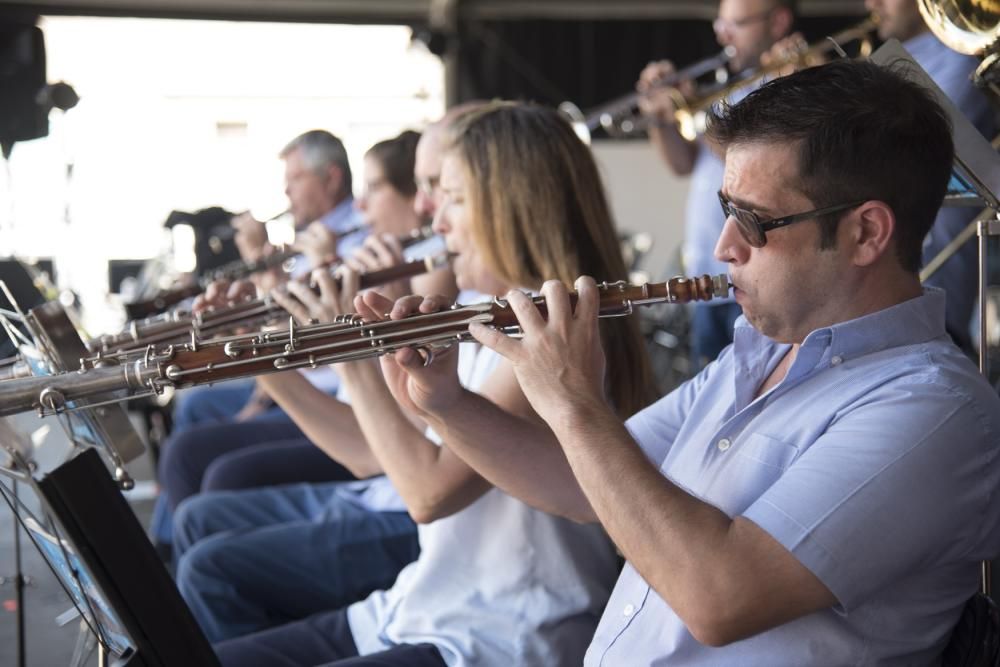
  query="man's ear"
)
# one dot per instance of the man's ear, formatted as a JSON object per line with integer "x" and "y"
{"x": 335, "y": 174}
{"x": 871, "y": 227}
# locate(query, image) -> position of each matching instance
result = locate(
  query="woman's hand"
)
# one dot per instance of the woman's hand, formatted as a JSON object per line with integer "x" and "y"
{"x": 318, "y": 243}
{"x": 223, "y": 293}
{"x": 377, "y": 253}
{"x": 425, "y": 382}
{"x": 332, "y": 301}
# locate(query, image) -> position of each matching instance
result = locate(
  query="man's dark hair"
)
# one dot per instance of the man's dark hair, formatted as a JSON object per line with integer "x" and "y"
{"x": 864, "y": 132}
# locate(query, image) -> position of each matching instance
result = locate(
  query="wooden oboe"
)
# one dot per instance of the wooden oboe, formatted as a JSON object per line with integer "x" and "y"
{"x": 123, "y": 375}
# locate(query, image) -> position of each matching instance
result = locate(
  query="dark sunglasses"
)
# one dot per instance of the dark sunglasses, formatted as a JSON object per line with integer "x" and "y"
{"x": 754, "y": 230}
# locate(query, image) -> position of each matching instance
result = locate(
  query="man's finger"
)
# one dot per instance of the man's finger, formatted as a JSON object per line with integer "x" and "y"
{"x": 528, "y": 317}
{"x": 498, "y": 342}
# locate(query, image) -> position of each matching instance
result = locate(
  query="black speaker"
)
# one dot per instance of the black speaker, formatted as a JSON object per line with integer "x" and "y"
{"x": 22, "y": 79}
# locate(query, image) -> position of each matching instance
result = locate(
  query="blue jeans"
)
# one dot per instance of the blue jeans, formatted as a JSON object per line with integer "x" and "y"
{"x": 319, "y": 639}
{"x": 251, "y": 560}
{"x": 228, "y": 456}
{"x": 217, "y": 403}
{"x": 204, "y": 406}
{"x": 711, "y": 331}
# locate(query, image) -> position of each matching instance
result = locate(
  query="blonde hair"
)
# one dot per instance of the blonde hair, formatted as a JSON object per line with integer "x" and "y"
{"x": 539, "y": 212}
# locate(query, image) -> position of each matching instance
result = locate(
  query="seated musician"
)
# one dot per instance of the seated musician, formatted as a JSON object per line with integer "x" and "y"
{"x": 251, "y": 450}
{"x": 497, "y": 582}
{"x": 823, "y": 493}
{"x": 271, "y": 557}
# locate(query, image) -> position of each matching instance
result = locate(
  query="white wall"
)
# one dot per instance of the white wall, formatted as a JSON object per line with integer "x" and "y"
{"x": 644, "y": 196}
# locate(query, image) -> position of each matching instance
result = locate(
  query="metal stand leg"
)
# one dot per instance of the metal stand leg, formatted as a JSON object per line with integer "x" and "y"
{"x": 987, "y": 227}
{"x": 19, "y": 581}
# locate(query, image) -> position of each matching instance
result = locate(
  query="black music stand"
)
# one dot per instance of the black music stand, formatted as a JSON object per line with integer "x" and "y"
{"x": 91, "y": 539}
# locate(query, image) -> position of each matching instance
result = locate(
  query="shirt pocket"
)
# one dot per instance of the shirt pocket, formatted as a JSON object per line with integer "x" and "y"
{"x": 747, "y": 470}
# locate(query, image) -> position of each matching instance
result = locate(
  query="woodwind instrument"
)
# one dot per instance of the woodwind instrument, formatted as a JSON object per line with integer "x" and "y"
{"x": 117, "y": 377}
{"x": 177, "y": 327}
{"x": 241, "y": 269}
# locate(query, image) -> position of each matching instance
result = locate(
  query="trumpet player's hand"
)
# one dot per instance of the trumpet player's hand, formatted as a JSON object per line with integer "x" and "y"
{"x": 424, "y": 382}
{"x": 657, "y": 101}
{"x": 381, "y": 251}
{"x": 222, "y": 293}
{"x": 250, "y": 238}
{"x": 559, "y": 362}
{"x": 318, "y": 243}
{"x": 790, "y": 50}
{"x": 307, "y": 307}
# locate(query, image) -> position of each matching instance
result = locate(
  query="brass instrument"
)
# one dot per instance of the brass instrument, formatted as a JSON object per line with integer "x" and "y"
{"x": 241, "y": 269}
{"x": 690, "y": 113}
{"x": 621, "y": 117}
{"x": 113, "y": 378}
{"x": 176, "y": 327}
{"x": 971, "y": 27}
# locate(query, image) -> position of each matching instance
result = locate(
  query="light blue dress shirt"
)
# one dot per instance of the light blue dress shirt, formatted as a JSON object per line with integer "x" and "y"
{"x": 874, "y": 462}
{"x": 951, "y": 71}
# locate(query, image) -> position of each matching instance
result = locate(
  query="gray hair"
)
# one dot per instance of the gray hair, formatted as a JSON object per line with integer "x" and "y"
{"x": 319, "y": 150}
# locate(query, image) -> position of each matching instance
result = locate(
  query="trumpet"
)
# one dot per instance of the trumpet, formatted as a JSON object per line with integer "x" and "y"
{"x": 621, "y": 117}
{"x": 174, "y": 327}
{"x": 691, "y": 112}
{"x": 241, "y": 269}
{"x": 102, "y": 379}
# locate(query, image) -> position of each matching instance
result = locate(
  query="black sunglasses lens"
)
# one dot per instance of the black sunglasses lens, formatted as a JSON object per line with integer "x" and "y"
{"x": 749, "y": 229}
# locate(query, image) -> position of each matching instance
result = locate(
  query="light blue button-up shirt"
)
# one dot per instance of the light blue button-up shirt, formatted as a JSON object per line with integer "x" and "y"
{"x": 874, "y": 462}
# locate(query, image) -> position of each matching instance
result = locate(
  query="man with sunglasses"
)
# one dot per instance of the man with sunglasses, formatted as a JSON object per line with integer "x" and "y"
{"x": 749, "y": 28}
{"x": 824, "y": 492}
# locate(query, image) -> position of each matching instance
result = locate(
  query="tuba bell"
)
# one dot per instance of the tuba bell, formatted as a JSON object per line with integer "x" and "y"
{"x": 971, "y": 27}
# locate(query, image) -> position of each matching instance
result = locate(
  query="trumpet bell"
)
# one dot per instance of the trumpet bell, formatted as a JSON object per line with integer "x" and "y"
{"x": 966, "y": 26}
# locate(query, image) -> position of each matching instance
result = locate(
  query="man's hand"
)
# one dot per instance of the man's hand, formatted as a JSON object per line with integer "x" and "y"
{"x": 251, "y": 237}
{"x": 790, "y": 50}
{"x": 559, "y": 363}
{"x": 658, "y": 102}
{"x": 332, "y": 302}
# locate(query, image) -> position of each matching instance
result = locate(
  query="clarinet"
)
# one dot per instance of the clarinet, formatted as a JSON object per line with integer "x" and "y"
{"x": 113, "y": 378}
{"x": 176, "y": 327}
{"x": 241, "y": 269}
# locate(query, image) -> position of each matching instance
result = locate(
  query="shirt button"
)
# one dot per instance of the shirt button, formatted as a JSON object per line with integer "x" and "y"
{"x": 628, "y": 610}
{"x": 724, "y": 444}
{"x": 836, "y": 361}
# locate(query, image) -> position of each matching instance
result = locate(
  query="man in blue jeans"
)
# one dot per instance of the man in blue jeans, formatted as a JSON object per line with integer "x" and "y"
{"x": 212, "y": 422}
